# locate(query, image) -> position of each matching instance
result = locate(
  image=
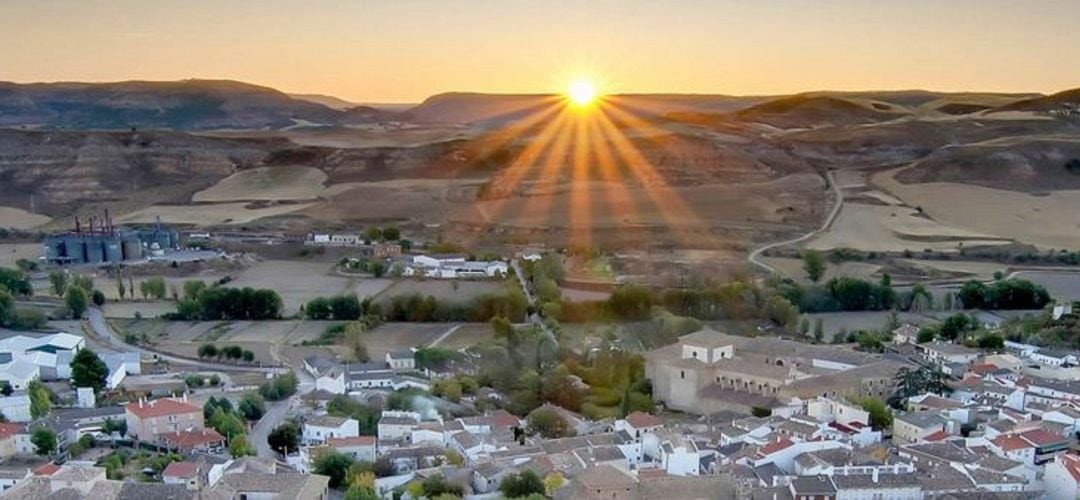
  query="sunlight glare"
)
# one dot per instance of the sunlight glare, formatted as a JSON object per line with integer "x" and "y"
{"x": 581, "y": 92}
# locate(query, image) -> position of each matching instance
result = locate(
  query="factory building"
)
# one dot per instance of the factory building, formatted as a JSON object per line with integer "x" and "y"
{"x": 104, "y": 243}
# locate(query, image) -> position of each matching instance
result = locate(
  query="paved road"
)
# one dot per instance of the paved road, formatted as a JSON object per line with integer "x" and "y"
{"x": 104, "y": 333}
{"x": 755, "y": 255}
{"x": 533, "y": 318}
{"x": 274, "y": 416}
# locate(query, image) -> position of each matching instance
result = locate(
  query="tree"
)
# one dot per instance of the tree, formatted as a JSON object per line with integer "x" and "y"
{"x": 44, "y": 440}
{"x": 88, "y": 370}
{"x": 631, "y": 302}
{"x": 391, "y": 234}
{"x": 437, "y": 485}
{"x": 548, "y": 424}
{"x": 804, "y": 326}
{"x": 373, "y": 234}
{"x": 819, "y": 330}
{"x": 98, "y": 298}
{"x": 120, "y": 288}
{"x": 522, "y": 484}
{"x": 16, "y": 282}
{"x": 553, "y": 482}
{"x": 192, "y": 289}
{"x": 227, "y": 423}
{"x": 345, "y": 307}
{"x": 280, "y": 387}
{"x": 334, "y": 465}
{"x": 239, "y": 447}
{"x": 317, "y": 308}
{"x": 780, "y": 311}
{"x": 40, "y": 399}
{"x": 77, "y": 301}
{"x": 919, "y": 381}
{"x": 208, "y": 351}
{"x": 58, "y": 281}
{"x": 926, "y": 334}
{"x": 284, "y": 437}
{"x": 880, "y": 416}
{"x": 813, "y": 264}
{"x": 252, "y": 406}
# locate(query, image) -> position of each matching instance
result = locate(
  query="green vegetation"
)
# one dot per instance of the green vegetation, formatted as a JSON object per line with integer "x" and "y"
{"x": 77, "y": 301}
{"x": 222, "y": 303}
{"x": 813, "y": 264}
{"x": 343, "y": 406}
{"x": 415, "y": 307}
{"x": 88, "y": 370}
{"x": 44, "y": 440}
{"x": 58, "y": 281}
{"x": 284, "y": 437}
{"x": 153, "y": 288}
{"x": 229, "y": 352}
{"x": 342, "y": 307}
{"x": 914, "y": 382}
{"x": 16, "y": 282}
{"x": 252, "y": 406}
{"x": 548, "y": 424}
{"x": 40, "y": 399}
{"x": 880, "y": 416}
{"x": 1003, "y": 294}
{"x": 279, "y": 387}
{"x": 522, "y": 485}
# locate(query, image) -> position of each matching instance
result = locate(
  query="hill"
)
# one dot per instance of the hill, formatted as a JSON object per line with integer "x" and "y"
{"x": 180, "y": 105}
{"x": 1067, "y": 99}
{"x": 802, "y": 111}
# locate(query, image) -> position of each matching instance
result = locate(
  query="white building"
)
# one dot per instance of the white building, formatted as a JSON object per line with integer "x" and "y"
{"x": 454, "y": 266}
{"x": 1062, "y": 478}
{"x": 319, "y": 429}
{"x": 24, "y": 358}
{"x": 397, "y": 424}
{"x": 16, "y": 407}
{"x": 401, "y": 360}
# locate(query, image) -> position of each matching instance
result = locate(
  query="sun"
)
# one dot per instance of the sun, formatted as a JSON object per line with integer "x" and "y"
{"x": 581, "y": 92}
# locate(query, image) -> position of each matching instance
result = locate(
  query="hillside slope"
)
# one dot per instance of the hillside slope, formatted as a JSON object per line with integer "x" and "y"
{"x": 181, "y": 105}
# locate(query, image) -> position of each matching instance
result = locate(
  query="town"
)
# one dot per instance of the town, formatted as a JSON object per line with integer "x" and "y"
{"x": 952, "y": 405}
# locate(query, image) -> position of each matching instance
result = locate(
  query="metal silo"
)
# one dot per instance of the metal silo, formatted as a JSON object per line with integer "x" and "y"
{"x": 132, "y": 247}
{"x": 113, "y": 252}
{"x": 74, "y": 249}
{"x": 95, "y": 251}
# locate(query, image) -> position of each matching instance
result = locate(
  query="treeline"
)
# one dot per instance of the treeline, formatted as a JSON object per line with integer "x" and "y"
{"x": 14, "y": 283}
{"x": 222, "y": 303}
{"x": 841, "y": 294}
{"x": 341, "y": 307}
{"x": 1003, "y": 294}
{"x": 415, "y": 307}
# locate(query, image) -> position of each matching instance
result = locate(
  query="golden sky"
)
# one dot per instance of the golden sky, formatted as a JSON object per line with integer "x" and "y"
{"x": 406, "y": 50}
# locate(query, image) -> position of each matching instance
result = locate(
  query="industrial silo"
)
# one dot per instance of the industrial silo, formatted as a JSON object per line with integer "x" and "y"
{"x": 113, "y": 252}
{"x": 74, "y": 249}
{"x": 95, "y": 251}
{"x": 131, "y": 247}
{"x": 53, "y": 249}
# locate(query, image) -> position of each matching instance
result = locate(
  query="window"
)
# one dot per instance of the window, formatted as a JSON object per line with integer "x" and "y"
{"x": 682, "y": 374}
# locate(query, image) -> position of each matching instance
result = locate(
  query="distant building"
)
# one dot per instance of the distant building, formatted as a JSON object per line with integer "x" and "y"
{"x": 147, "y": 420}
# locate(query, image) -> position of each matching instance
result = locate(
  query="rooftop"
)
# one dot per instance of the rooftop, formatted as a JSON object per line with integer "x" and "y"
{"x": 160, "y": 408}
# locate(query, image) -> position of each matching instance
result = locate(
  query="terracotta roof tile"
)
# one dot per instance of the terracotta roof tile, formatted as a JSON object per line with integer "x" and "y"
{"x": 641, "y": 420}
{"x": 160, "y": 408}
{"x": 351, "y": 441}
{"x": 181, "y": 469}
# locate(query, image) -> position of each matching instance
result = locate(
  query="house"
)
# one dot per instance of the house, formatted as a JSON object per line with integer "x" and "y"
{"x": 1066, "y": 415}
{"x": 397, "y": 424}
{"x": 877, "y": 486}
{"x": 16, "y": 407}
{"x": 453, "y": 266}
{"x": 148, "y": 419}
{"x": 48, "y": 357}
{"x": 194, "y": 440}
{"x": 1055, "y": 358}
{"x": 11, "y": 477}
{"x": 1062, "y": 478}
{"x": 357, "y": 447}
{"x": 185, "y": 473}
{"x": 320, "y": 428}
{"x": 401, "y": 360}
{"x": 1033, "y": 447}
{"x": 14, "y": 441}
{"x": 943, "y": 353}
{"x": 638, "y": 423}
{"x": 386, "y": 250}
{"x": 813, "y": 488}
{"x": 915, "y": 427}
{"x": 252, "y": 478}
{"x": 906, "y": 334}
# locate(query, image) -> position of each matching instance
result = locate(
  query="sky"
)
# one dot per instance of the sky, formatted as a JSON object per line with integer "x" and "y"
{"x": 407, "y": 50}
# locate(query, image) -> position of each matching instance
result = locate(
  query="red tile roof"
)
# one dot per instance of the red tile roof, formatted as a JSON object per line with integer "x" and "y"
{"x": 641, "y": 420}
{"x": 188, "y": 440}
{"x": 8, "y": 429}
{"x": 938, "y": 436}
{"x": 982, "y": 368}
{"x": 351, "y": 441}
{"x": 503, "y": 418}
{"x": 181, "y": 469}
{"x": 46, "y": 469}
{"x": 1042, "y": 437}
{"x": 1011, "y": 442}
{"x": 160, "y": 408}
{"x": 775, "y": 446}
{"x": 1072, "y": 464}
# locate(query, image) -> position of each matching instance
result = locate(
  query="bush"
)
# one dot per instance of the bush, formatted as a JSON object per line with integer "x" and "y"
{"x": 280, "y": 387}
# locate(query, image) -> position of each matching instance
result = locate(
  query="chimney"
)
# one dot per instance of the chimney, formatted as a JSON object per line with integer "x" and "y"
{"x": 78, "y": 228}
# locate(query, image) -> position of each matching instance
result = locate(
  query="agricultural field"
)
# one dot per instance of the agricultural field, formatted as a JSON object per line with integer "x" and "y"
{"x": 12, "y": 252}
{"x": 1045, "y": 219}
{"x": 876, "y": 228}
{"x": 446, "y": 290}
{"x": 793, "y": 268}
{"x": 264, "y": 338}
{"x": 209, "y": 214}
{"x": 835, "y": 322}
{"x": 1062, "y": 285}
{"x": 270, "y": 183}
{"x": 371, "y": 287}
{"x": 467, "y": 335}
{"x": 396, "y": 336}
{"x": 17, "y": 218}
{"x": 297, "y": 282}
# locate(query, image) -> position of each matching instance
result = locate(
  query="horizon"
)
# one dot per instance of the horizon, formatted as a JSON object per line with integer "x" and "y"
{"x": 404, "y": 52}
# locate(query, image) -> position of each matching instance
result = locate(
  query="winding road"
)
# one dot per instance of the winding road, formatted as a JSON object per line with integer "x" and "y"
{"x": 755, "y": 255}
